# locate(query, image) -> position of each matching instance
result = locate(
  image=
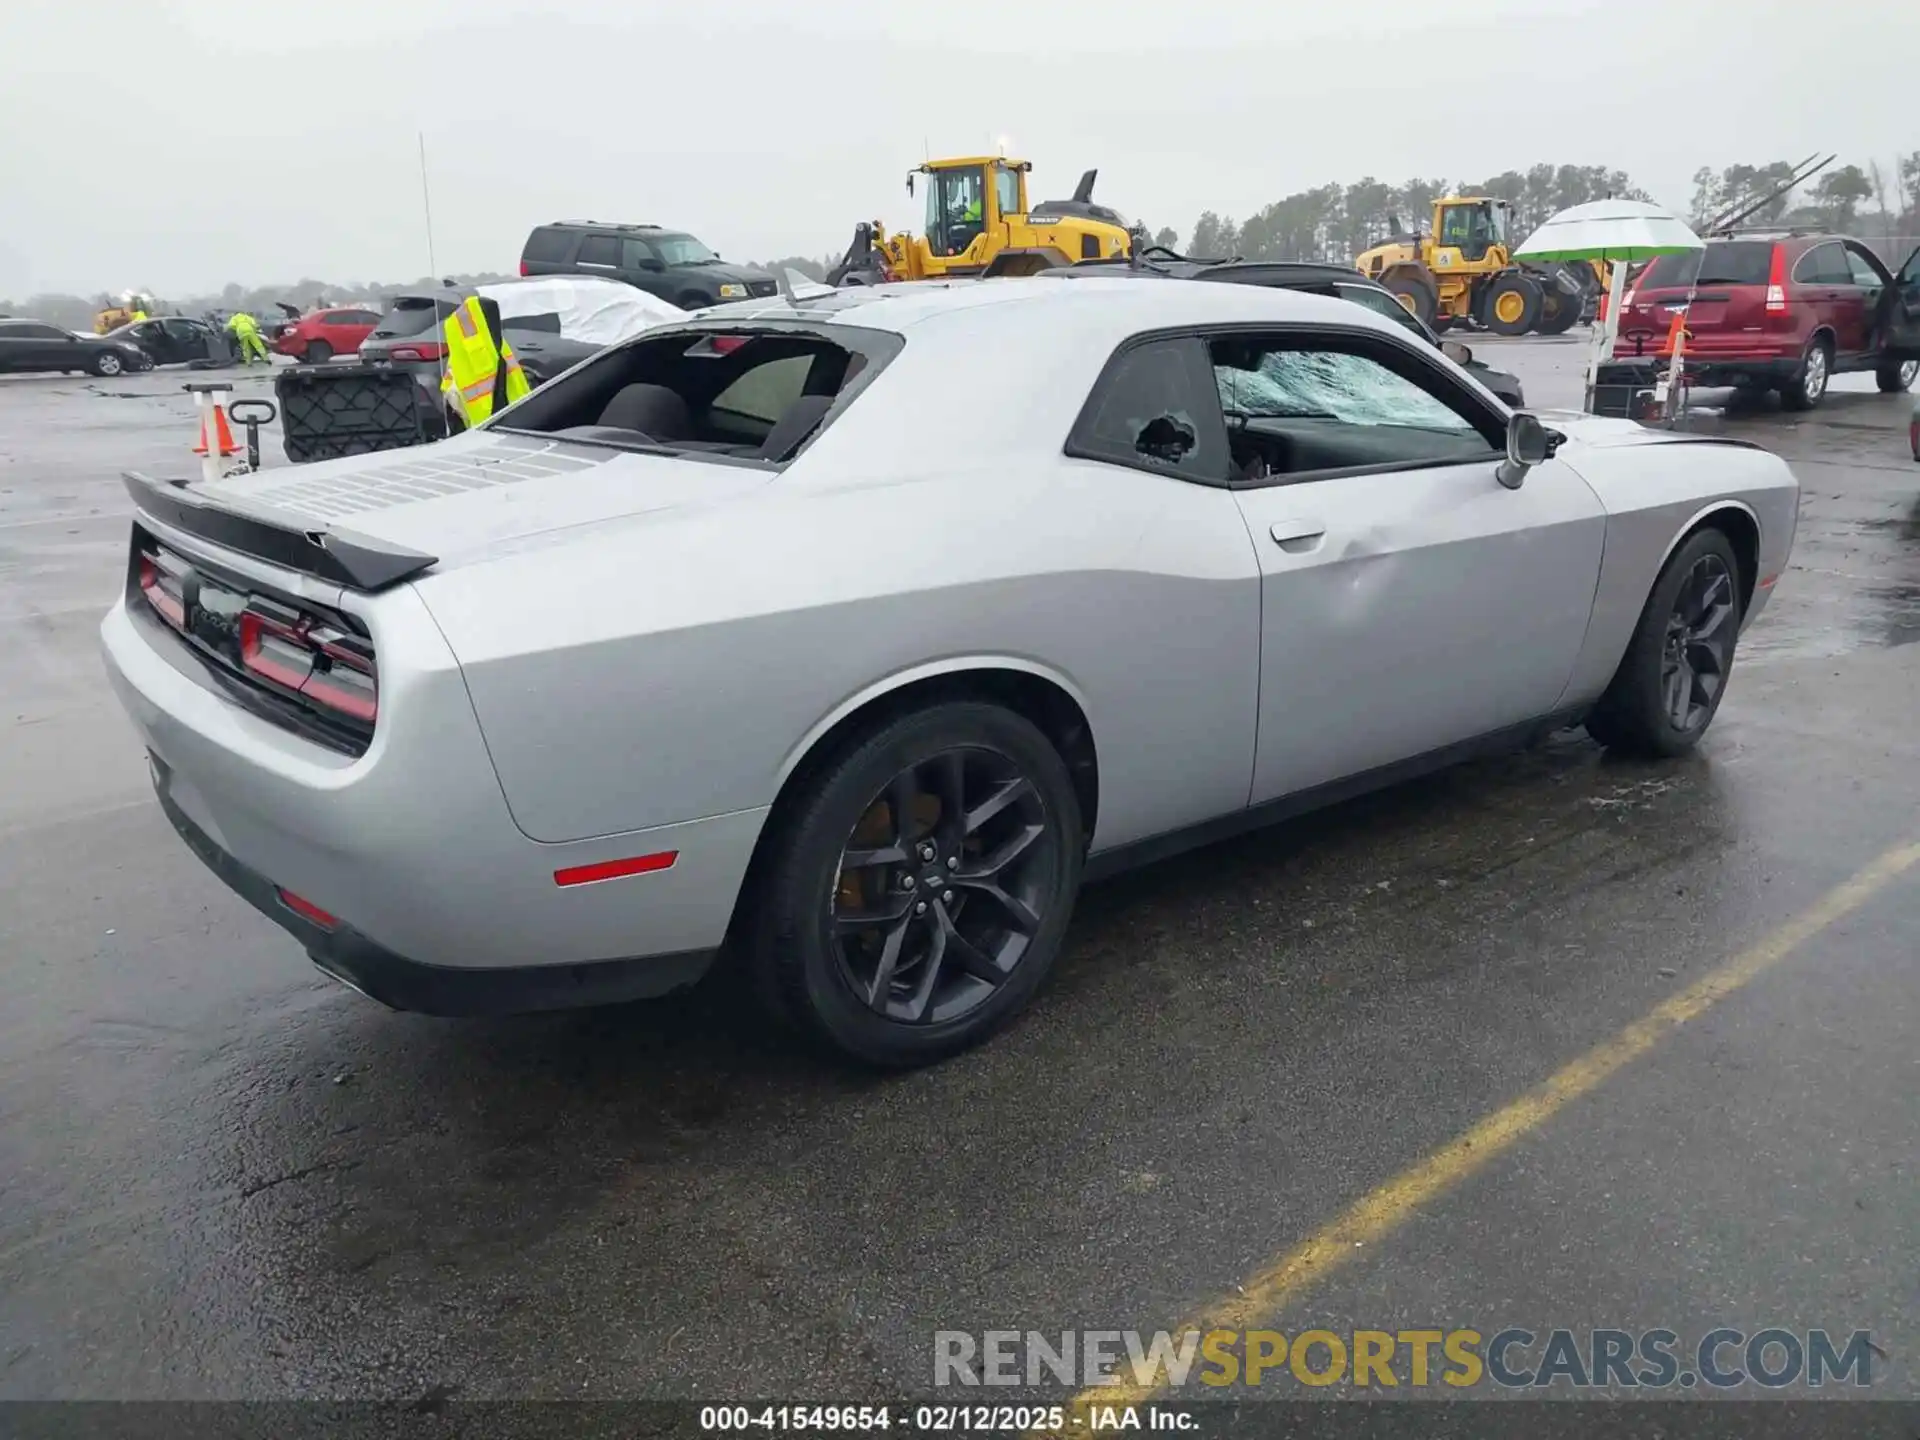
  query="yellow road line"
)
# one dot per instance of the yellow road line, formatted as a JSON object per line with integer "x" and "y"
{"x": 1380, "y": 1212}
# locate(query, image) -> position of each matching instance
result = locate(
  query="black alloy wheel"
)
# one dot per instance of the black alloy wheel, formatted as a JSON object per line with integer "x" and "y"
{"x": 1674, "y": 674}
{"x": 917, "y": 884}
{"x": 1699, "y": 644}
{"x": 942, "y": 885}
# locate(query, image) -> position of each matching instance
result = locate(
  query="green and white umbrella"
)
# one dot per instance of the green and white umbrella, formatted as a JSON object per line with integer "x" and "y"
{"x": 1621, "y": 232}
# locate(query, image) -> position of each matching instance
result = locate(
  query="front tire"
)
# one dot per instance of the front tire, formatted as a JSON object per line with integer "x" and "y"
{"x": 1671, "y": 681}
{"x": 920, "y": 890}
{"x": 107, "y": 364}
{"x": 1896, "y": 376}
{"x": 1513, "y": 303}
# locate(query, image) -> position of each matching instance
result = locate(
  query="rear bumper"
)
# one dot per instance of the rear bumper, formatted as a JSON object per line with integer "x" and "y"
{"x": 411, "y": 845}
{"x": 1710, "y": 371}
{"x": 403, "y": 984}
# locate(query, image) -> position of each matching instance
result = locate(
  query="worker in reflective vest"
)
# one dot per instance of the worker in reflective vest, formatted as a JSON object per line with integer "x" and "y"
{"x": 482, "y": 374}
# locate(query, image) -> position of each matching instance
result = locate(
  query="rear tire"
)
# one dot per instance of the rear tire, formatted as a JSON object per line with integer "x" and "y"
{"x": 1512, "y": 304}
{"x": 839, "y": 855}
{"x": 1415, "y": 290}
{"x": 1809, "y": 384}
{"x": 1680, "y": 657}
{"x": 318, "y": 352}
{"x": 1559, "y": 311}
{"x": 1896, "y": 376}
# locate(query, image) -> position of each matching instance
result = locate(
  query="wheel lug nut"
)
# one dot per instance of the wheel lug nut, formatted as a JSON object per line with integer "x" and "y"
{"x": 926, "y": 852}
{"x": 906, "y": 882}
{"x": 921, "y": 908}
{"x": 947, "y": 895}
{"x": 953, "y": 862}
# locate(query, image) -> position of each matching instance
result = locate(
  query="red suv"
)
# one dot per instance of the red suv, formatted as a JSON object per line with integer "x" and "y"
{"x": 319, "y": 335}
{"x": 1781, "y": 312}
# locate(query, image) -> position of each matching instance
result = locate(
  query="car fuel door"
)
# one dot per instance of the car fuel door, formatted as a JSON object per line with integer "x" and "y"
{"x": 1408, "y": 607}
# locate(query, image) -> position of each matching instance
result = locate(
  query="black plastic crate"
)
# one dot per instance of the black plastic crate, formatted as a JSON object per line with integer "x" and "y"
{"x": 330, "y": 411}
{"x": 1624, "y": 389}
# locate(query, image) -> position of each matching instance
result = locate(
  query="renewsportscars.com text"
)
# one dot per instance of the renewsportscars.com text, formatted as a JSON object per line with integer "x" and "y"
{"x": 1513, "y": 1358}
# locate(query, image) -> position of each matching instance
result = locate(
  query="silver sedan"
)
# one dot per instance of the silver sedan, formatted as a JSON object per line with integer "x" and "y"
{"x": 847, "y": 635}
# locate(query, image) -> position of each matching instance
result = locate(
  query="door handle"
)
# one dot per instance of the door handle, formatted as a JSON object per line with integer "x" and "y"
{"x": 1297, "y": 534}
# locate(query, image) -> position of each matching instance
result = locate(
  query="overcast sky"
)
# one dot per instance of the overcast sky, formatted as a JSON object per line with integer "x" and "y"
{"x": 178, "y": 144}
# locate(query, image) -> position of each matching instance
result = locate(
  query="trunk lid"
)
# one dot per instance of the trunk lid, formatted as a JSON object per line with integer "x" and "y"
{"x": 373, "y": 520}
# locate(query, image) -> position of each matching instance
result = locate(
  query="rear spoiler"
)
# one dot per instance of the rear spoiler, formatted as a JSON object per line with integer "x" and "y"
{"x": 324, "y": 554}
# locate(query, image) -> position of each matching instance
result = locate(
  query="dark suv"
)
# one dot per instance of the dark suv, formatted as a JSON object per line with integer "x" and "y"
{"x": 668, "y": 263}
{"x": 1782, "y": 312}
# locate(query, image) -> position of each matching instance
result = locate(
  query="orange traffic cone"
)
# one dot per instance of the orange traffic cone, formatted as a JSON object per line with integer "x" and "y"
{"x": 1674, "y": 332}
{"x": 222, "y": 431}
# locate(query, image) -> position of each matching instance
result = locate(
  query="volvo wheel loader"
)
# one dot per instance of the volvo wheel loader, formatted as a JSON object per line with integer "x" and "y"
{"x": 1463, "y": 270}
{"x": 978, "y": 223}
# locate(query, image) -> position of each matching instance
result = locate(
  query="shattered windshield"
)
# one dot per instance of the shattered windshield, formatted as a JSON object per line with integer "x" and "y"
{"x": 1331, "y": 385}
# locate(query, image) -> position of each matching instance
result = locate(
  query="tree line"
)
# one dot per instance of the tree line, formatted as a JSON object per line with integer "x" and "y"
{"x": 1333, "y": 222}
{"x": 1336, "y": 222}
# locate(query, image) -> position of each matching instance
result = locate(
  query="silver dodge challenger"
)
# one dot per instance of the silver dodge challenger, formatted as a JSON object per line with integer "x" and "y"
{"x": 847, "y": 635}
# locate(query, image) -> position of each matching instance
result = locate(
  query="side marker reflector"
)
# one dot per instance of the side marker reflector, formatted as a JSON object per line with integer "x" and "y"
{"x": 307, "y": 910}
{"x": 616, "y": 869}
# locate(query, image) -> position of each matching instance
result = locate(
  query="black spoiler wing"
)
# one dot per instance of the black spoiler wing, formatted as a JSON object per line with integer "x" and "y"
{"x": 324, "y": 554}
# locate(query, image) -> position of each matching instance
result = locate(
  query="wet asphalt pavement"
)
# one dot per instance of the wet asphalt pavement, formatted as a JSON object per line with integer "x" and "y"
{"x": 223, "y": 1176}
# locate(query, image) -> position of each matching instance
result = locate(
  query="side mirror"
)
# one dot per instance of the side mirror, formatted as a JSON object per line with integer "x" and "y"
{"x": 1456, "y": 352}
{"x": 1165, "y": 438}
{"x": 1527, "y": 446}
{"x": 909, "y": 182}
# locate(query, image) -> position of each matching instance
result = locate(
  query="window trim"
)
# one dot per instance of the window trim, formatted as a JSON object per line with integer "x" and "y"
{"x": 1444, "y": 385}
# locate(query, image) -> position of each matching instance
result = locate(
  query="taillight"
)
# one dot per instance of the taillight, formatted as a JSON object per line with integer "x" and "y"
{"x": 425, "y": 350}
{"x": 345, "y": 680}
{"x": 324, "y": 666}
{"x": 523, "y": 268}
{"x": 1777, "y": 282}
{"x": 162, "y": 592}
{"x": 275, "y": 649}
{"x": 727, "y": 344}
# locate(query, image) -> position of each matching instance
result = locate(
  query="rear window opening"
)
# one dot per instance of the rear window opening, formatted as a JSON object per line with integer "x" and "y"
{"x": 411, "y": 316}
{"x": 753, "y": 394}
{"x": 1723, "y": 262}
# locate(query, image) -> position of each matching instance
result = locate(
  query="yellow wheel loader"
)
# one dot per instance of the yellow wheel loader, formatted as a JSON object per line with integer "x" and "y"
{"x": 1463, "y": 270}
{"x": 978, "y": 223}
